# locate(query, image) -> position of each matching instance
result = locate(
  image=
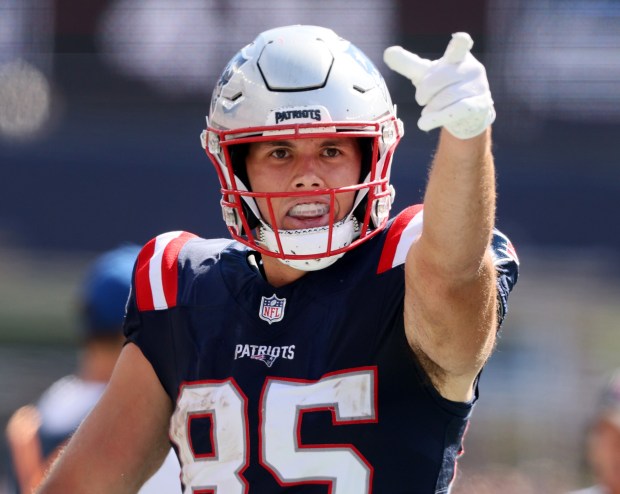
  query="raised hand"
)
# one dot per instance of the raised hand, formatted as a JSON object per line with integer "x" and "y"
{"x": 453, "y": 90}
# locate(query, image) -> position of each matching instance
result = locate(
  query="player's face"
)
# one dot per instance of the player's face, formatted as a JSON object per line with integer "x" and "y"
{"x": 302, "y": 165}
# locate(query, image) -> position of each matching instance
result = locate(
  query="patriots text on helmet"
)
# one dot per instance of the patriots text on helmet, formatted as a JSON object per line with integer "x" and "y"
{"x": 314, "y": 114}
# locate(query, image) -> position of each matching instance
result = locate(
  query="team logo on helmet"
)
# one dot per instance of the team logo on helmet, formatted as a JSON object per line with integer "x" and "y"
{"x": 305, "y": 114}
{"x": 298, "y": 114}
{"x": 272, "y": 309}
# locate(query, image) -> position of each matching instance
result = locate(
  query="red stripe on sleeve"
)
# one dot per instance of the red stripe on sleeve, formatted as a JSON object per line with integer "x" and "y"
{"x": 393, "y": 237}
{"x": 170, "y": 267}
{"x": 144, "y": 296}
{"x": 512, "y": 251}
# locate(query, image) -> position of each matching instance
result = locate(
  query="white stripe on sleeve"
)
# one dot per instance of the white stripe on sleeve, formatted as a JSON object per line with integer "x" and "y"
{"x": 410, "y": 234}
{"x": 157, "y": 286}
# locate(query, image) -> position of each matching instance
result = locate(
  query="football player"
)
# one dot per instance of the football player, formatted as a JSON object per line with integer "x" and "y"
{"x": 327, "y": 347}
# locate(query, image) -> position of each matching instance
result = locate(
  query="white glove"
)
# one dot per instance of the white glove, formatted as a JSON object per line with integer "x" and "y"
{"x": 453, "y": 90}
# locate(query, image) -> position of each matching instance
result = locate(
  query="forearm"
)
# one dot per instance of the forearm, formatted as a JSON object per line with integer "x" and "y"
{"x": 459, "y": 205}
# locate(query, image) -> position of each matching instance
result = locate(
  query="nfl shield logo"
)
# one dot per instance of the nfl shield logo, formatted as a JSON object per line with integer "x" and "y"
{"x": 272, "y": 309}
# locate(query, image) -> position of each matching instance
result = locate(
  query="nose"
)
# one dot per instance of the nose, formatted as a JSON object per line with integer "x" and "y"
{"x": 308, "y": 174}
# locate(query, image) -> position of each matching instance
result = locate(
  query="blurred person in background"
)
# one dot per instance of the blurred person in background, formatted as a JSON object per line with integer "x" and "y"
{"x": 36, "y": 432}
{"x": 603, "y": 441}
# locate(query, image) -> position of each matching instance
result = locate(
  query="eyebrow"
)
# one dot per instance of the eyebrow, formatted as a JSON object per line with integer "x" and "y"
{"x": 276, "y": 143}
{"x": 291, "y": 143}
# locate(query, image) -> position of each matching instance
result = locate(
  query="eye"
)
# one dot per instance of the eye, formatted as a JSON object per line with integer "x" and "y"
{"x": 279, "y": 153}
{"x": 331, "y": 152}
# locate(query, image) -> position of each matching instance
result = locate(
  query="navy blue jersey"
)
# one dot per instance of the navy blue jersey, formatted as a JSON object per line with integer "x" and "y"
{"x": 307, "y": 388}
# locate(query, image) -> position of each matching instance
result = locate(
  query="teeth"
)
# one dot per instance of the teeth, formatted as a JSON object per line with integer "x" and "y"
{"x": 309, "y": 210}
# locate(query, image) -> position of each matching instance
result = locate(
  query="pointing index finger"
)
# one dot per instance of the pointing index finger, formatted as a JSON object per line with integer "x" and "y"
{"x": 406, "y": 63}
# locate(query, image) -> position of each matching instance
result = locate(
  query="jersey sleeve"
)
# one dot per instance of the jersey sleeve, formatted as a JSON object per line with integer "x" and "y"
{"x": 156, "y": 273}
{"x": 154, "y": 291}
{"x": 506, "y": 264}
{"x": 402, "y": 232}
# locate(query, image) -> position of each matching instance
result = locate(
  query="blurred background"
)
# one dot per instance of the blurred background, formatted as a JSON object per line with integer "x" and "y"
{"x": 101, "y": 107}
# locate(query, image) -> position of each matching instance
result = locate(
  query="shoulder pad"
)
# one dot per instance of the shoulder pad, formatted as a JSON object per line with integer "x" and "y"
{"x": 156, "y": 272}
{"x": 402, "y": 232}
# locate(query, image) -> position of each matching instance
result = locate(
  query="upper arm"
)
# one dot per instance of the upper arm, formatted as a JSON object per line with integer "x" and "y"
{"x": 123, "y": 440}
{"x": 452, "y": 324}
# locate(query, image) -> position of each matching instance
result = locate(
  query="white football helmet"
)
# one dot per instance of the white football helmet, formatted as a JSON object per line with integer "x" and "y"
{"x": 302, "y": 82}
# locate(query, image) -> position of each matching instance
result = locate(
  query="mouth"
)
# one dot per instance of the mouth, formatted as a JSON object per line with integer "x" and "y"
{"x": 307, "y": 215}
{"x": 308, "y": 210}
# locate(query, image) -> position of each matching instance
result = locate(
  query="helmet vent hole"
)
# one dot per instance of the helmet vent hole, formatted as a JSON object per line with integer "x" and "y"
{"x": 359, "y": 89}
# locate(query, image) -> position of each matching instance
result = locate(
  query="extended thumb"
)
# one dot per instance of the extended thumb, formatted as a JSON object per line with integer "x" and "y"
{"x": 458, "y": 48}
